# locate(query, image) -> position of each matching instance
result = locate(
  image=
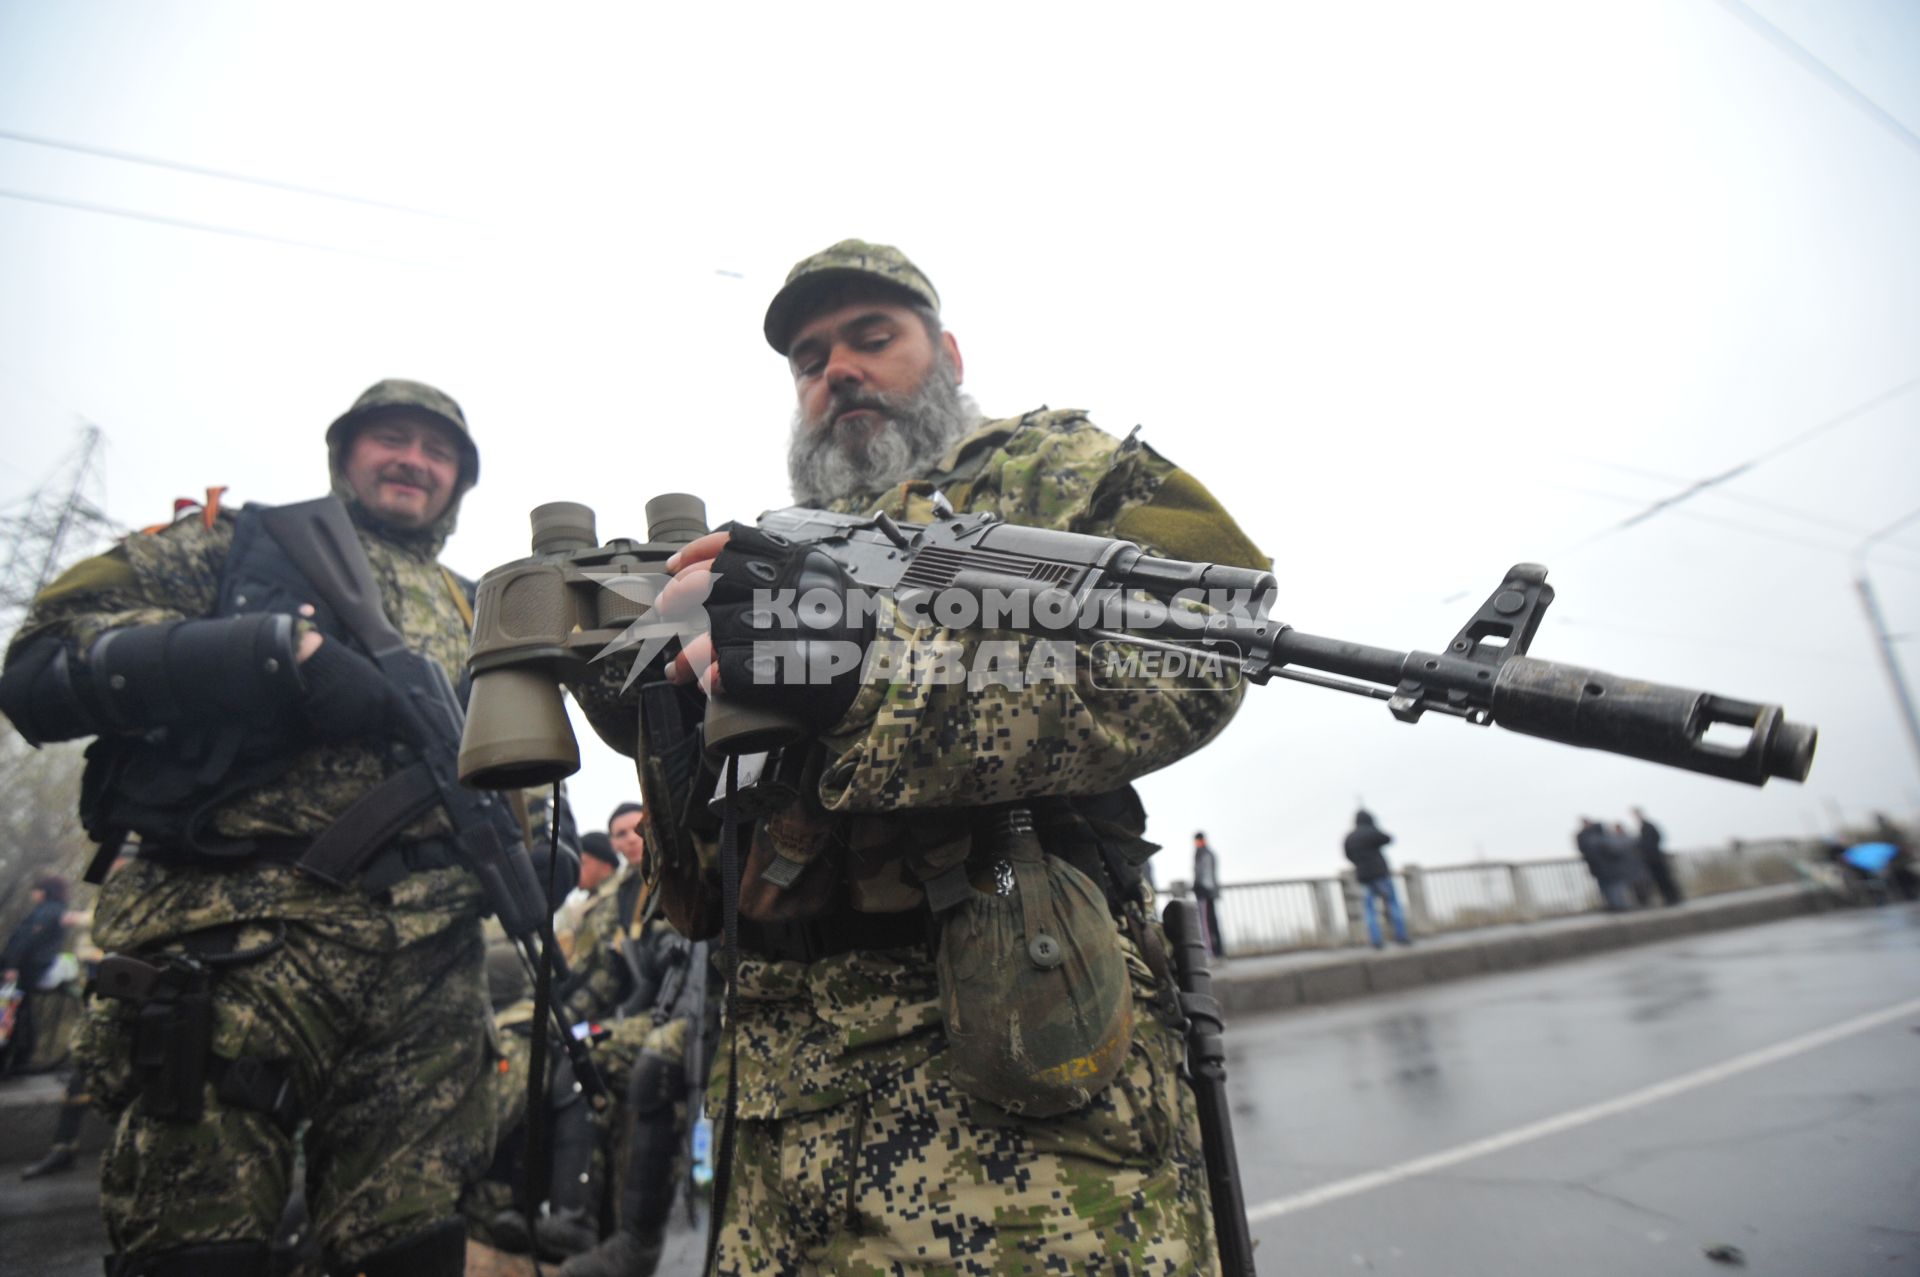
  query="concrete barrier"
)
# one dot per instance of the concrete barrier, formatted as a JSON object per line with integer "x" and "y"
{"x": 1249, "y": 986}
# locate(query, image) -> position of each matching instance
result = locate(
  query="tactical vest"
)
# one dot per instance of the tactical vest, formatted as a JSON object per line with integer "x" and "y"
{"x": 166, "y": 785}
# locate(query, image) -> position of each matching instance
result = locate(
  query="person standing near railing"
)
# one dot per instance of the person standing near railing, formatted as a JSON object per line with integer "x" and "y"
{"x": 1365, "y": 847}
{"x": 1206, "y": 889}
{"x": 1605, "y": 861}
{"x": 1655, "y": 857}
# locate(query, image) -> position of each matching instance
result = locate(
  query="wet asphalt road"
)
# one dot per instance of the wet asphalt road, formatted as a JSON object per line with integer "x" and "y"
{"x": 1808, "y": 1164}
{"x": 1807, "y": 1159}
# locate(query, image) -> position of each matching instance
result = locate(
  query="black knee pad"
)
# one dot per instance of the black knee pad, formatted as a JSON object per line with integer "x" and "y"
{"x": 440, "y": 1251}
{"x": 216, "y": 1259}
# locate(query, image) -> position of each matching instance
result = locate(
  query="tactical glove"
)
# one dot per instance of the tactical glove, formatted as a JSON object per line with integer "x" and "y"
{"x": 789, "y": 633}
{"x": 347, "y": 697}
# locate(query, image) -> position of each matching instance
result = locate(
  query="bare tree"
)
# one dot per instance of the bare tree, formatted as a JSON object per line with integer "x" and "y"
{"x": 39, "y": 818}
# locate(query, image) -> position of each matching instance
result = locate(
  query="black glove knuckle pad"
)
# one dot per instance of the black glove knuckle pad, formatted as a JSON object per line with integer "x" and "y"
{"x": 787, "y": 632}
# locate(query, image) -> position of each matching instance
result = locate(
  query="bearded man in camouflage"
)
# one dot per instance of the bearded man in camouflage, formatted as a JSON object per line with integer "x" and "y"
{"x": 859, "y": 1143}
{"x": 286, "y": 1030}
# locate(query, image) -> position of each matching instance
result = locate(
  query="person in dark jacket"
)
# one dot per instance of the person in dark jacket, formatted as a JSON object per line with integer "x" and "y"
{"x": 1206, "y": 889}
{"x": 1365, "y": 848}
{"x": 1659, "y": 864}
{"x": 1633, "y": 868}
{"x": 31, "y": 951}
{"x": 1605, "y": 862}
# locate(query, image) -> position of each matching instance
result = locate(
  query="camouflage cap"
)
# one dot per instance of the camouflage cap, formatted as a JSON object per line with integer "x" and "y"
{"x": 396, "y": 394}
{"x": 845, "y": 262}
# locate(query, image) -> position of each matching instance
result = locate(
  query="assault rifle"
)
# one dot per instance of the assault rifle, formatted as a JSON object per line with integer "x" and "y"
{"x": 319, "y": 537}
{"x": 1102, "y": 588}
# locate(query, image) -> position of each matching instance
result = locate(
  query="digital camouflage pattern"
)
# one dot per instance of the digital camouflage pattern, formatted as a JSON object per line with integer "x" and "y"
{"x": 375, "y": 1002}
{"x": 376, "y": 1008}
{"x": 849, "y": 260}
{"x": 174, "y": 575}
{"x": 857, "y": 1151}
{"x": 599, "y": 980}
{"x": 908, "y": 753}
{"x": 918, "y": 744}
{"x": 396, "y": 394}
{"x": 912, "y": 1174}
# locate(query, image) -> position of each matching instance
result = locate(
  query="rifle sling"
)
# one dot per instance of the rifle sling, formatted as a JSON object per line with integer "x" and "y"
{"x": 376, "y": 818}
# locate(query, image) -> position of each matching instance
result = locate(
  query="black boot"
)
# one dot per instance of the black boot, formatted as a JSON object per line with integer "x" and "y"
{"x": 622, "y": 1255}
{"x": 508, "y": 1231}
{"x": 571, "y": 1223}
{"x": 656, "y": 1083}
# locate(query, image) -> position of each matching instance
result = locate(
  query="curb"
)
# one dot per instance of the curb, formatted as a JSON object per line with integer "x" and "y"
{"x": 1254, "y": 985}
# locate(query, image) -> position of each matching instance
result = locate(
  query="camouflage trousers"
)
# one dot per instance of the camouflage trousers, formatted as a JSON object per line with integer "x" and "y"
{"x": 374, "y": 1012}
{"x": 915, "y": 1175}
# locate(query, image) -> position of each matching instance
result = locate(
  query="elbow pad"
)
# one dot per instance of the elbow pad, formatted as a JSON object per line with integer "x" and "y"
{"x": 41, "y": 696}
{"x": 177, "y": 674}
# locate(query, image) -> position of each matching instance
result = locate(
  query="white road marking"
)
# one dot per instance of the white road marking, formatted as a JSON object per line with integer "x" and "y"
{"x": 1578, "y": 1117}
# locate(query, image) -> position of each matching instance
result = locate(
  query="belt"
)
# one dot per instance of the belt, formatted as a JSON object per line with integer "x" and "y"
{"x": 838, "y": 931}
{"x": 385, "y": 868}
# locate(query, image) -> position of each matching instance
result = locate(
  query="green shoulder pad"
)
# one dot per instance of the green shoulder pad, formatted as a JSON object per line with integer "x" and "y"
{"x": 1182, "y": 520}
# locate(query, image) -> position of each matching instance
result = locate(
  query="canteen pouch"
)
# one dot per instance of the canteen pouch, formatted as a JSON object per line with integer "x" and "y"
{"x": 1033, "y": 984}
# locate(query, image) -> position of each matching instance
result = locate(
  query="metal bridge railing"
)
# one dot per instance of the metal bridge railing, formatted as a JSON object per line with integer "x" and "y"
{"x": 1287, "y": 914}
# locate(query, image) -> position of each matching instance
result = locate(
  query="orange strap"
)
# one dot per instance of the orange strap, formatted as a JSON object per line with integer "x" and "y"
{"x": 209, "y": 511}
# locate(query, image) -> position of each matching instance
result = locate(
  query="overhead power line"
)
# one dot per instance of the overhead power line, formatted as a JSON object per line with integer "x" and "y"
{"x": 1738, "y": 498}
{"x": 1822, "y": 72}
{"x": 1738, "y": 525}
{"x": 129, "y": 157}
{"x": 1701, "y": 485}
{"x": 209, "y": 228}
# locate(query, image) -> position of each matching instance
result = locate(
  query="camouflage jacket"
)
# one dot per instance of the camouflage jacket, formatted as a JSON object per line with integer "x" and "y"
{"x": 174, "y": 574}
{"x": 598, "y": 980}
{"x": 911, "y": 757}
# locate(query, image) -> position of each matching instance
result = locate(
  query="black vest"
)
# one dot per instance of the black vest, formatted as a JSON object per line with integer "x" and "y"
{"x": 166, "y": 784}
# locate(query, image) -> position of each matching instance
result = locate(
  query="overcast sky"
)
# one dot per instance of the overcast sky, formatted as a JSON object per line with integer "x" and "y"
{"x": 1420, "y": 290}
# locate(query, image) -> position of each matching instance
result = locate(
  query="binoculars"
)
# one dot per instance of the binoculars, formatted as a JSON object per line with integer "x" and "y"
{"x": 540, "y": 622}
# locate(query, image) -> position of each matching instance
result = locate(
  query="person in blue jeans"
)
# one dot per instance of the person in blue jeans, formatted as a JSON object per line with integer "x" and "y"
{"x": 1365, "y": 846}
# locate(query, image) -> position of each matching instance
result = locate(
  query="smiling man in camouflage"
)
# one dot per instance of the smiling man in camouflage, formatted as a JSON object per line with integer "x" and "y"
{"x": 868, "y": 1135}
{"x": 262, "y": 1011}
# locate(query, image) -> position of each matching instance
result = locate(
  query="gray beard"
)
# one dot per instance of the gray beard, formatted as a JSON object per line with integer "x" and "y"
{"x": 826, "y": 464}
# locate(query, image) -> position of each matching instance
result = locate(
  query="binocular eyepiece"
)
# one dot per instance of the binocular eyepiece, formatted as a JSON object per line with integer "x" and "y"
{"x": 539, "y": 621}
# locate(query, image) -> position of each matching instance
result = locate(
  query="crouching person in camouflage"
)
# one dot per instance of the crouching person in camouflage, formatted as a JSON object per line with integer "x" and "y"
{"x": 961, "y": 853}
{"x": 299, "y": 1071}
